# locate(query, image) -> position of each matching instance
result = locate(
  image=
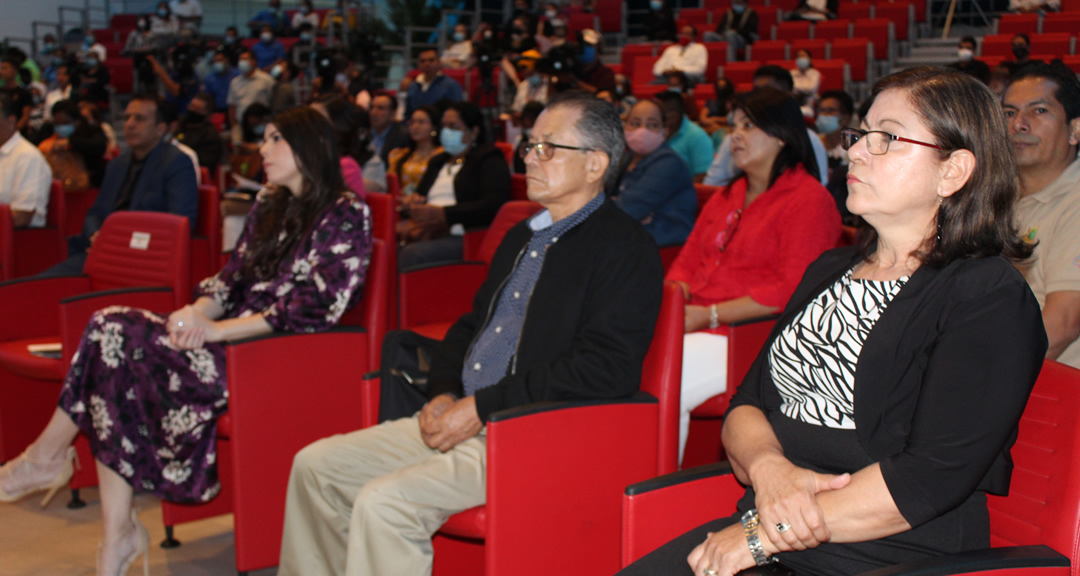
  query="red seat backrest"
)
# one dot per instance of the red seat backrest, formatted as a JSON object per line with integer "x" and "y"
{"x": 878, "y": 31}
{"x": 519, "y": 187}
{"x": 832, "y": 29}
{"x": 767, "y": 16}
{"x": 901, "y": 14}
{"x": 816, "y": 47}
{"x": 661, "y": 374}
{"x": 508, "y": 216}
{"x": 120, "y": 74}
{"x": 1043, "y": 505}
{"x": 718, "y": 53}
{"x": 1073, "y": 62}
{"x": 208, "y": 224}
{"x": 997, "y": 45}
{"x": 373, "y": 310}
{"x": 642, "y": 72}
{"x": 791, "y": 30}
{"x": 508, "y": 151}
{"x": 7, "y": 244}
{"x": 56, "y": 215}
{"x": 1018, "y": 24}
{"x": 142, "y": 249}
{"x": 740, "y": 72}
{"x": 854, "y": 11}
{"x": 1056, "y": 44}
{"x": 704, "y": 192}
{"x": 1067, "y": 23}
{"x": 857, "y": 52}
{"x": 768, "y": 50}
{"x": 610, "y": 13}
{"x": 833, "y": 74}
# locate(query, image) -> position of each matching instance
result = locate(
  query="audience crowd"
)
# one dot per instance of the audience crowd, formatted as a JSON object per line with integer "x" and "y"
{"x": 743, "y": 190}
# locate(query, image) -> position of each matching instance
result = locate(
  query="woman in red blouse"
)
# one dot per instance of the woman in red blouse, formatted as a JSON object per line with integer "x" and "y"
{"x": 752, "y": 241}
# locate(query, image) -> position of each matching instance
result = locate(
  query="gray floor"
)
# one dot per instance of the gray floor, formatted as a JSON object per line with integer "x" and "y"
{"x": 58, "y": 541}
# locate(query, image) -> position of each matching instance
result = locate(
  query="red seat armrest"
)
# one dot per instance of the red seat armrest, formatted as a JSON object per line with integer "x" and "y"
{"x": 31, "y": 306}
{"x": 656, "y": 511}
{"x": 75, "y": 311}
{"x": 554, "y": 474}
{"x": 370, "y": 393}
{"x": 440, "y": 293}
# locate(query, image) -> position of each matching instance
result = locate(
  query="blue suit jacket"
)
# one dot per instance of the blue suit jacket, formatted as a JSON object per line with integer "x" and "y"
{"x": 166, "y": 184}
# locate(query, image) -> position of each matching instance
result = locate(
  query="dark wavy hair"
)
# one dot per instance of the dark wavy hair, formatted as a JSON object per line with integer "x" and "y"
{"x": 435, "y": 117}
{"x": 779, "y": 116}
{"x": 352, "y": 126}
{"x": 963, "y": 114}
{"x": 283, "y": 219}
{"x": 472, "y": 117}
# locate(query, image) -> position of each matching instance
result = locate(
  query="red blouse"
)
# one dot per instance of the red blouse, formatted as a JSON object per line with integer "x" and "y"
{"x": 766, "y": 247}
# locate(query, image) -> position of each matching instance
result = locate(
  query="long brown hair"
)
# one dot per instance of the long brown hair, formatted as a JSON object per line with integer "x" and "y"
{"x": 962, "y": 114}
{"x": 282, "y": 218}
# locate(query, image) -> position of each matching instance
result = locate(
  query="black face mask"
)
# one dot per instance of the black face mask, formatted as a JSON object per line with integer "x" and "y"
{"x": 194, "y": 118}
{"x": 1021, "y": 52}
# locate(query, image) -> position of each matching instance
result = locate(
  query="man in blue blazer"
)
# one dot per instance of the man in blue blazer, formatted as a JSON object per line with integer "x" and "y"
{"x": 152, "y": 175}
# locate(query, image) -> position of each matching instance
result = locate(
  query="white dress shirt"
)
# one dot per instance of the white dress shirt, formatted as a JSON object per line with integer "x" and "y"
{"x": 25, "y": 178}
{"x": 690, "y": 59}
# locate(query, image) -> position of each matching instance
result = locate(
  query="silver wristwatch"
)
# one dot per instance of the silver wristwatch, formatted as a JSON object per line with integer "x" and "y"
{"x": 750, "y": 528}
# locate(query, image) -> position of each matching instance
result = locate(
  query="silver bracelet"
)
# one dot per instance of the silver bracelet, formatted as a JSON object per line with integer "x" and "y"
{"x": 714, "y": 318}
{"x": 750, "y": 528}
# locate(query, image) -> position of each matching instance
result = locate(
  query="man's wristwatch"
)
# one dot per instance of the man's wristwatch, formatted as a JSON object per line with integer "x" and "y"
{"x": 750, "y": 528}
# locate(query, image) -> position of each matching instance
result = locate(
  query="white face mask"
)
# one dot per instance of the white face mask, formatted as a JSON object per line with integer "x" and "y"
{"x": 802, "y": 63}
{"x": 965, "y": 54}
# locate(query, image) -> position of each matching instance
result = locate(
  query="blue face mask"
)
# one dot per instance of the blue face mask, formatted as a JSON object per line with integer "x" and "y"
{"x": 92, "y": 62}
{"x": 656, "y": 5}
{"x": 88, "y": 41}
{"x": 827, "y": 124}
{"x": 588, "y": 54}
{"x": 163, "y": 13}
{"x": 305, "y": 36}
{"x": 219, "y": 67}
{"x": 738, "y": 9}
{"x": 48, "y": 49}
{"x": 459, "y": 37}
{"x": 451, "y": 141}
{"x": 64, "y": 131}
{"x": 535, "y": 80}
{"x": 675, "y": 89}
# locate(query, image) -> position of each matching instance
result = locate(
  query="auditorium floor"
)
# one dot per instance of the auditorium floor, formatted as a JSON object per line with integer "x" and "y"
{"x": 57, "y": 541}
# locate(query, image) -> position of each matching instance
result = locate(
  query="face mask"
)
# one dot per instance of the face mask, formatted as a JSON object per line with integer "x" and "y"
{"x": 827, "y": 124}
{"x": 266, "y": 37}
{"x": 451, "y": 141}
{"x": 57, "y": 61}
{"x": 48, "y": 49}
{"x": 656, "y": 4}
{"x": 259, "y": 129}
{"x": 230, "y": 39}
{"x": 965, "y": 54}
{"x": 551, "y": 14}
{"x": 88, "y": 41}
{"x": 684, "y": 41}
{"x": 92, "y": 62}
{"x": 219, "y": 67}
{"x": 619, "y": 91}
{"x": 802, "y": 63}
{"x": 305, "y": 36}
{"x": 163, "y": 13}
{"x": 194, "y": 118}
{"x": 304, "y": 9}
{"x": 64, "y": 131}
{"x": 244, "y": 66}
{"x": 643, "y": 141}
{"x": 535, "y": 80}
{"x": 459, "y": 37}
{"x": 588, "y": 54}
{"x": 1020, "y": 52}
{"x": 738, "y": 9}
{"x": 674, "y": 89}
{"x": 276, "y": 71}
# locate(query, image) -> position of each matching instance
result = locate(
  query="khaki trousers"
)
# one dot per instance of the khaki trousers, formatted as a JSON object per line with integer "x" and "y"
{"x": 367, "y": 503}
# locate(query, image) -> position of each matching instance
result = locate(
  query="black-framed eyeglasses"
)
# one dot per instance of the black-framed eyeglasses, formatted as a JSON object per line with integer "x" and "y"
{"x": 546, "y": 150}
{"x": 877, "y": 141}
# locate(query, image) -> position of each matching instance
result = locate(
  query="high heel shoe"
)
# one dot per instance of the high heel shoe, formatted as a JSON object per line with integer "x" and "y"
{"x": 143, "y": 549}
{"x": 22, "y": 466}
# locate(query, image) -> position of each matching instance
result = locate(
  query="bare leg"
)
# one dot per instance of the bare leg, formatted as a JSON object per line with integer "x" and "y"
{"x": 121, "y": 538}
{"x": 54, "y": 440}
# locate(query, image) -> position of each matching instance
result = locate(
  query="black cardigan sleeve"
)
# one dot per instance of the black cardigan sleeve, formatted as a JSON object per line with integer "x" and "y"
{"x": 482, "y": 186}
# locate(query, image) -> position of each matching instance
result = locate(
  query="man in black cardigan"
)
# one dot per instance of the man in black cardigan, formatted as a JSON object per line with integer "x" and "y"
{"x": 566, "y": 313}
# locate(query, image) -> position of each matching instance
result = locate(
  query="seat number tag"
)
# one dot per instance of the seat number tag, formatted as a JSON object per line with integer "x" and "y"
{"x": 139, "y": 241}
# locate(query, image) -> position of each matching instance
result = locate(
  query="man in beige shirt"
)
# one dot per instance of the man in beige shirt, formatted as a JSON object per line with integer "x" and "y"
{"x": 1042, "y": 107}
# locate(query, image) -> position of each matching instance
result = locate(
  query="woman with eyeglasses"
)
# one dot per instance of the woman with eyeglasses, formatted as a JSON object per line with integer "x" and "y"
{"x": 462, "y": 188}
{"x": 752, "y": 241}
{"x": 882, "y": 409}
{"x": 655, "y": 185}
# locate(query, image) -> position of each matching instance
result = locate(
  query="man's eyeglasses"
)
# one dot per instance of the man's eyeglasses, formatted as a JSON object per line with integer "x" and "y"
{"x": 877, "y": 141}
{"x": 546, "y": 150}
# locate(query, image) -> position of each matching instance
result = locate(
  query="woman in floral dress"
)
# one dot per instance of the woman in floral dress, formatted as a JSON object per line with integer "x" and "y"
{"x": 147, "y": 391}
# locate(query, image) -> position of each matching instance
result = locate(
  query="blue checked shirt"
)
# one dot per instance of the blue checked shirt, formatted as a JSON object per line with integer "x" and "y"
{"x": 491, "y": 353}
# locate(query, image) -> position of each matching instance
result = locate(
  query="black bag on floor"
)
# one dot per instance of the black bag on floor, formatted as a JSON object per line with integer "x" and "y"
{"x": 403, "y": 376}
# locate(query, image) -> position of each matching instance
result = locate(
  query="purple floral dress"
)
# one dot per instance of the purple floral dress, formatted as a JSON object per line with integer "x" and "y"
{"x": 150, "y": 410}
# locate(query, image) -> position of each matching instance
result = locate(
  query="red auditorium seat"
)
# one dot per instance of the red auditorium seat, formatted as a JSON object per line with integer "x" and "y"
{"x": 206, "y": 238}
{"x": 996, "y": 45}
{"x": 1061, "y": 22}
{"x": 1073, "y": 62}
{"x": 139, "y": 259}
{"x": 832, "y": 29}
{"x": 642, "y": 72}
{"x": 1053, "y": 45}
{"x": 507, "y": 150}
{"x": 631, "y": 52}
{"x": 519, "y": 188}
{"x": 1070, "y": 5}
{"x": 77, "y": 204}
{"x": 7, "y": 244}
{"x": 858, "y": 53}
{"x": 537, "y": 449}
{"x": 612, "y": 16}
{"x": 121, "y": 77}
{"x": 879, "y": 31}
{"x": 767, "y": 16}
{"x": 795, "y": 30}
{"x": 1018, "y": 24}
{"x": 718, "y": 56}
{"x": 740, "y": 72}
{"x": 901, "y": 14}
{"x": 818, "y": 48}
{"x": 37, "y": 249}
{"x": 433, "y": 297}
{"x": 702, "y": 18}
{"x": 768, "y": 50}
{"x": 1034, "y": 531}
{"x": 855, "y": 11}
{"x": 578, "y": 21}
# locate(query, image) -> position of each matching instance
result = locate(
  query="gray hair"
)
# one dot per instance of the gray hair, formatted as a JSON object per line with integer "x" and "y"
{"x": 599, "y": 127}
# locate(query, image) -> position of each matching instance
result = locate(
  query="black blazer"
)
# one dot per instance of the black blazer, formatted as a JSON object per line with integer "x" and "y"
{"x": 589, "y": 321}
{"x": 941, "y": 380}
{"x": 481, "y": 186}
